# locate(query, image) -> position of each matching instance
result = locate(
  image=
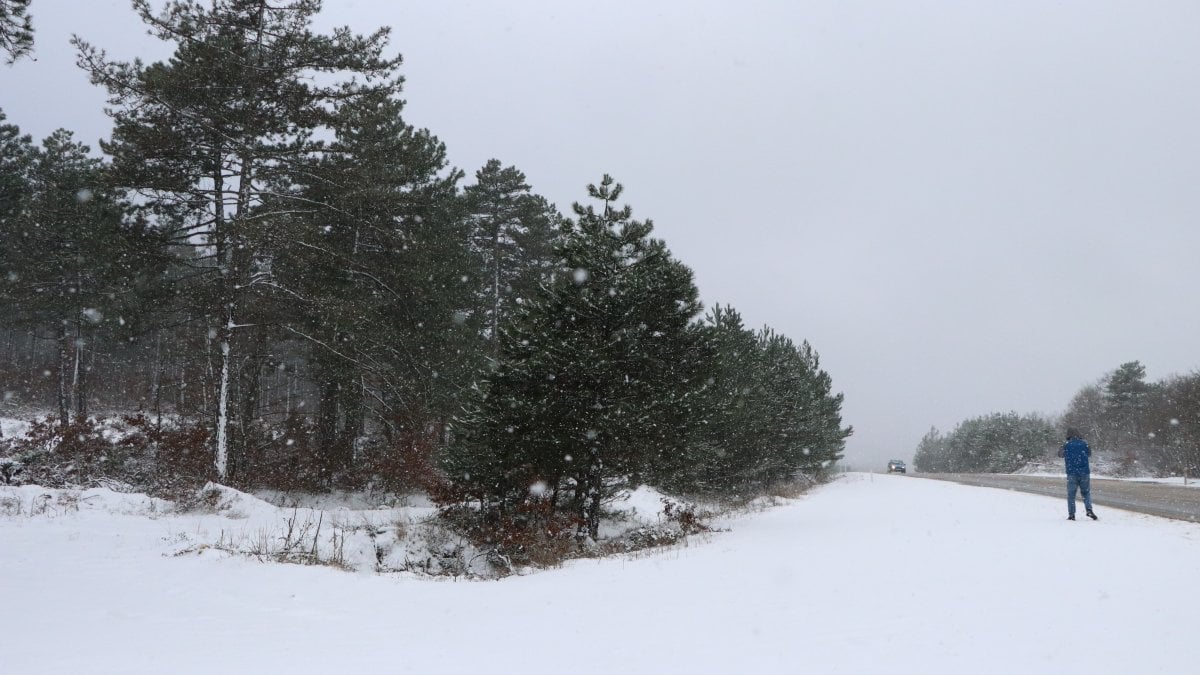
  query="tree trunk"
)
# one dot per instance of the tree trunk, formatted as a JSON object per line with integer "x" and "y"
{"x": 222, "y": 454}
{"x": 249, "y": 401}
{"x": 327, "y": 423}
{"x": 79, "y": 382}
{"x": 354, "y": 415}
{"x": 496, "y": 289}
{"x": 593, "y": 511}
{"x": 64, "y": 364}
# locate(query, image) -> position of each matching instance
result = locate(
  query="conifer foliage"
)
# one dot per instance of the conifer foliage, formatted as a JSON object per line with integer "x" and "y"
{"x": 996, "y": 443}
{"x": 604, "y": 380}
{"x": 1132, "y": 426}
{"x": 767, "y": 412}
{"x": 287, "y": 273}
{"x": 593, "y": 373}
{"x": 218, "y": 133}
{"x": 16, "y": 29}
{"x": 513, "y": 234}
{"x": 75, "y": 264}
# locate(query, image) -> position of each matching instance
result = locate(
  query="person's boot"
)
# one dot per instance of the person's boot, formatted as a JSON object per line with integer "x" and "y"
{"x": 1071, "y": 517}
{"x": 1092, "y": 515}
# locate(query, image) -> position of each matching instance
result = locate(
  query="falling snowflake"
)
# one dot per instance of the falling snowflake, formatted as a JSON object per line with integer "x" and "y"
{"x": 580, "y": 275}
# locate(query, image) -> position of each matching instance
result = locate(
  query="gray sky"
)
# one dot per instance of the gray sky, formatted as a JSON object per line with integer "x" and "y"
{"x": 966, "y": 207}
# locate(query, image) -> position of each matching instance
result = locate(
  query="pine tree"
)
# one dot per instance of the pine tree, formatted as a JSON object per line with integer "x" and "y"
{"x": 16, "y": 150}
{"x": 805, "y": 423}
{"x": 16, "y": 29}
{"x": 931, "y": 453}
{"x": 381, "y": 271}
{"x": 216, "y": 135}
{"x": 718, "y": 452}
{"x": 995, "y": 443}
{"x": 75, "y": 263}
{"x": 1126, "y": 404}
{"x": 514, "y": 234}
{"x": 594, "y": 375}
{"x": 767, "y": 413}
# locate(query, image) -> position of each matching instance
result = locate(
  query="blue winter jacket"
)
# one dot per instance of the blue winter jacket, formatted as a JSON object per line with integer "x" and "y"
{"x": 1076, "y": 453}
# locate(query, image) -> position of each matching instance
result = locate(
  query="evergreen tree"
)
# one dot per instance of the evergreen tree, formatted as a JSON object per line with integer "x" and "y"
{"x": 767, "y": 413}
{"x": 594, "y": 374}
{"x": 381, "y": 271}
{"x": 718, "y": 454}
{"x": 996, "y": 443}
{"x": 16, "y": 29}
{"x": 75, "y": 265}
{"x": 806, "y": 423}
{"x": 931, "y": 455}
{"x": 514, "y": 234}
{"x": 1126, "y": 405}
{"x": 218, "y": 132}
{"x": 16, "y": 151}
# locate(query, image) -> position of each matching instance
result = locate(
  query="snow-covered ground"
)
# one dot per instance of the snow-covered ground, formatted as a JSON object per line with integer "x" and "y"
{"x": 872, "y": 574}
{"x": 11, "y": 427}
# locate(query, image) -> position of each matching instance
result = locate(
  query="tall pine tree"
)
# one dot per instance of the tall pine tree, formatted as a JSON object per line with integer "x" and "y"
{"x": 514, "y": 234}
{"x": 595, "y": 374}
{"x": 218, "y": 132}
{"x": 378, "y": 280}
{"x": 74, "y": 264}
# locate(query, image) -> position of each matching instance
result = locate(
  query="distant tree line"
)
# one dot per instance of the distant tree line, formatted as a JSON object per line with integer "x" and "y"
{"x": 1142, "y": 427}
{"x": 996, "y": 443}
{"x": 274, "y": 261}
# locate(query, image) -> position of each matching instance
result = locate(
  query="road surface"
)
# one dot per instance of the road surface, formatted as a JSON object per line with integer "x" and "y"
{"x": 1156, "y": 499}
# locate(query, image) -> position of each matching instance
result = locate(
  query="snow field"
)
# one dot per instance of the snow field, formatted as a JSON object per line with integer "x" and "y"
{"x": 872, "y": 574}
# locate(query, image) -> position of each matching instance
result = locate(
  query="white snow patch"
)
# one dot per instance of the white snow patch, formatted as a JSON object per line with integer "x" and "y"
{"x": 870, "y": 574}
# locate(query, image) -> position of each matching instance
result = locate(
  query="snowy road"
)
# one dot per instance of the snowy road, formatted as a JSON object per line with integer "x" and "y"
{"x": 873, "y": 574}
{"x": 1156, "y": 499}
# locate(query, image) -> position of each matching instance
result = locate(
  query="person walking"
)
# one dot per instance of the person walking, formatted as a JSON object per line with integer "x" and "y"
{"x": 1076, "y": 452}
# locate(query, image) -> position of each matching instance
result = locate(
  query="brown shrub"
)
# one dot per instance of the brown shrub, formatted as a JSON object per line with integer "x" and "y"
{"x": 178, "y": 456}
{"x": 59, "y": 456}
{"x": 533, "y": 533}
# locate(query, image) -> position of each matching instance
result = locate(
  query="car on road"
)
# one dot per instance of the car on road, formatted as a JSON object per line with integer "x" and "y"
{"x": 897, "y": 466}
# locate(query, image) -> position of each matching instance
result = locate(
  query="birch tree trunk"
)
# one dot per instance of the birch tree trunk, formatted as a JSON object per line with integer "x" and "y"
{"x": 222, "y": 454}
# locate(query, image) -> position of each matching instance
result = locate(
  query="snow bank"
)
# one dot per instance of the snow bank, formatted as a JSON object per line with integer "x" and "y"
{"x": 35, "y": 501}
{"x": 362, "y": 533}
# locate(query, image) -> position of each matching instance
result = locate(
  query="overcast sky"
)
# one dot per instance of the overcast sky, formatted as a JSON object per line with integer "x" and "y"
{"x": 966, "y": 207}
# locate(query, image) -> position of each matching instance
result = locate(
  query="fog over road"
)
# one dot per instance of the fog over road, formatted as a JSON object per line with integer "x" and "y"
{"x": 1156, "y": 499}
